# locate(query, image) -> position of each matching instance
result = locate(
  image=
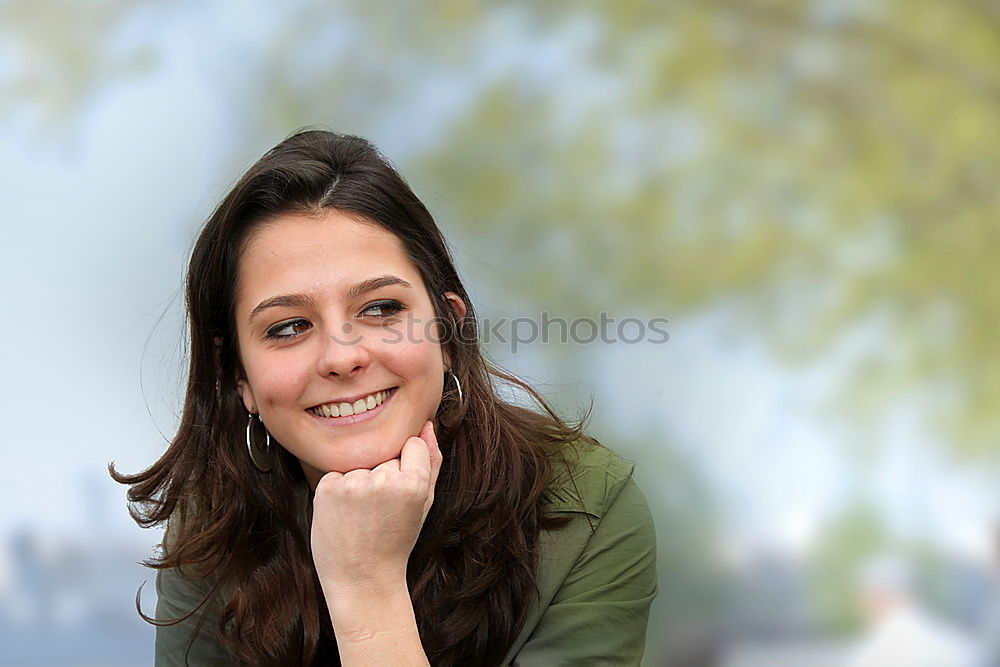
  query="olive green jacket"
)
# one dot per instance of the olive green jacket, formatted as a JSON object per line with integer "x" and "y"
{"x": 597, "y": 578}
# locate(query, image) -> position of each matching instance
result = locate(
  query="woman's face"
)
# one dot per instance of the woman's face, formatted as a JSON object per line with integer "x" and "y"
{"x": 334, "y": 329}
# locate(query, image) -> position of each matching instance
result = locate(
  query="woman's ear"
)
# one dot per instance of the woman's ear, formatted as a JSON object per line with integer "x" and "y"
{"x": 459, "y": 308}
{"x": 247, "y": 395}
{"x": 456, "y": 303}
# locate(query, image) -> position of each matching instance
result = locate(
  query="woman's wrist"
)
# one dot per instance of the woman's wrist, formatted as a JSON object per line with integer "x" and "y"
{"x": 374, "y": 622}
{"x": 386, "y": 583}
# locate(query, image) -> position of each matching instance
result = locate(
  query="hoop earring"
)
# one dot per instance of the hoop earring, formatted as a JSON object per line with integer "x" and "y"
{"x": 263, "y": 459}
{"x": 458, "y": 386}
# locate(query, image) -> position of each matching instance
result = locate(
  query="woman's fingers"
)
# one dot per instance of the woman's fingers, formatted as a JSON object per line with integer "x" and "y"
{"x": 421, "y": 457}
{"x": 415, "y": 457}
{"x": 436, "y": 458}
{"x": 328, "y": 480}
{"x": 427, "y": 432}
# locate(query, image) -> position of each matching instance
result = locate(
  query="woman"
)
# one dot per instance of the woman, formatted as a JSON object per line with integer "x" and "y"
{"x": 346, "y": 483}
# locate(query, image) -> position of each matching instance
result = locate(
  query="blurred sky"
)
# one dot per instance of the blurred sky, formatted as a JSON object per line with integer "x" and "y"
{"x": 112, "y": 155}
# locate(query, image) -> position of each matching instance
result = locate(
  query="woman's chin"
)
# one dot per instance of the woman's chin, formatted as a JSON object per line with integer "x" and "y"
{"x": 359, "y": 461}
{"x": 363, "y": 452}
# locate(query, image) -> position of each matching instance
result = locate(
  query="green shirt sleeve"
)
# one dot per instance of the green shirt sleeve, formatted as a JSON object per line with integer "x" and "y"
{"x": 183, "y": 643}
{"x": 597, "y": 576}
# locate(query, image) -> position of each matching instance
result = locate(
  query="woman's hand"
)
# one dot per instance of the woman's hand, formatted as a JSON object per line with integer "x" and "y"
{"x": 365, "y": 522}
{"x": 364, "y": 526}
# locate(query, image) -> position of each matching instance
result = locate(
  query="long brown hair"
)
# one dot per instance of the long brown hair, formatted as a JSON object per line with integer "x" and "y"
{"x": 473, "y": 570}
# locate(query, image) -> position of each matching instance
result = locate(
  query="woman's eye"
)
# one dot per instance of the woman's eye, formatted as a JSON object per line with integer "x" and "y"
{"x": 388, "y": 308}
{"x": 288, "y": 329}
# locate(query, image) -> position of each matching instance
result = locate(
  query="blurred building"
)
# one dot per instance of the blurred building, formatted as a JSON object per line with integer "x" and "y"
{"x": 67, "y": 603}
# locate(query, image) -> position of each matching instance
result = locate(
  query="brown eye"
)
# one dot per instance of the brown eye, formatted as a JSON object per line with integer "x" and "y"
{"x": 289, "y": 329}
{"x": 384, "y": 309}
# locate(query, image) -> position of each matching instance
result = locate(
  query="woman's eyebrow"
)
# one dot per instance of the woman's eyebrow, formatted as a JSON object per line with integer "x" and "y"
{"x": 299, "y": 300}
{"x": 373, "y": 284}
{"x": 287, "y": 300}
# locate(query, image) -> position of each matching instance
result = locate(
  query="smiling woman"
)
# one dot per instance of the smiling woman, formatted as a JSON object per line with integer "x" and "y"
{"x": 350, "y": 278}
{"x": 347, "y": 485}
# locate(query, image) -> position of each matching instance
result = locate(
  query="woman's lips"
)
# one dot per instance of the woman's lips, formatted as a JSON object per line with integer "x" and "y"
{"x": 362, "y": 409}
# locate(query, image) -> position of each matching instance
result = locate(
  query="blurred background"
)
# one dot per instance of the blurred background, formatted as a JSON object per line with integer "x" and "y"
{"x": 807, "y": 190}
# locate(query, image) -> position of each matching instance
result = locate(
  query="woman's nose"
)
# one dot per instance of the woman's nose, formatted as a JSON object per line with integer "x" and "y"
{"x": 345, "y": 351}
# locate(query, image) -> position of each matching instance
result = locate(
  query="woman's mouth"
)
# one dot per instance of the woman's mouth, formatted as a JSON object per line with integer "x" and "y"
{"x": 354, "y": 407}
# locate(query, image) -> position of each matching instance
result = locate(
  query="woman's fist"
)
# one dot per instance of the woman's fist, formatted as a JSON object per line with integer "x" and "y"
{"x": 365, "y": 522}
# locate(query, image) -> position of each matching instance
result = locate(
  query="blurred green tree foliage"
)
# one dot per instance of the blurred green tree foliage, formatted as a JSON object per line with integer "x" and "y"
{"x": 822, "y": 165}
{"x": 854, "y": 535}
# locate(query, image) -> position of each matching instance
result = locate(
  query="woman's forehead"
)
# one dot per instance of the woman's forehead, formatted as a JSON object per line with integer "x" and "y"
{"x": 326, "y": 251}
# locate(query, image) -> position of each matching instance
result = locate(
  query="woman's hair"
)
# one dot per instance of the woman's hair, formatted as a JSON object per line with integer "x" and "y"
{"x": 473, "y": 570}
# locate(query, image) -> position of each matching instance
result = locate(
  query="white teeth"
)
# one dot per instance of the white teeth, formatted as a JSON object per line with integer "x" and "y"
{"x": 359, "y": 406}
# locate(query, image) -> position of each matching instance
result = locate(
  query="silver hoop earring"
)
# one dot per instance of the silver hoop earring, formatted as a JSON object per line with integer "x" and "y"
{"x": 263, "y": 458}
{"x": 458, "y": 386}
